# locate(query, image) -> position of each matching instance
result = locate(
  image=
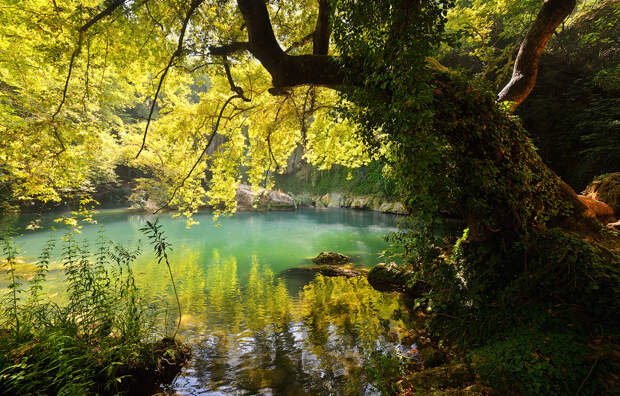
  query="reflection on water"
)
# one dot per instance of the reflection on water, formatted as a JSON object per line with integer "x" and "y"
{"x": 254, "y": 331}
{"x": 258, "y": 338}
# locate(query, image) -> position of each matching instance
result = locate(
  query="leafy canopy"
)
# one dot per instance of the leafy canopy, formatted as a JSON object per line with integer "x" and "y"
{"x": 62, "y": 136}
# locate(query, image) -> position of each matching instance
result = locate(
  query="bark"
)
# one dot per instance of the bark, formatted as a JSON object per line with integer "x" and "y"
{"x": 552, "y": 13}
{"x": 320, "y": 37}
{"x": 287, "y": 70}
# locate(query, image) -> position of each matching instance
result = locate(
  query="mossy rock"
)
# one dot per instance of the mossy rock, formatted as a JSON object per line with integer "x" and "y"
{"x": 331, "y": 258}
{"x": 390, "y": 277}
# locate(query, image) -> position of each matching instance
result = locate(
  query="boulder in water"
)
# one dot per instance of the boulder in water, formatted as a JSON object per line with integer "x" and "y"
{"x": 262, "y": 199}
{"x": 331, "y": 258}
{"x": 388, "y": 277}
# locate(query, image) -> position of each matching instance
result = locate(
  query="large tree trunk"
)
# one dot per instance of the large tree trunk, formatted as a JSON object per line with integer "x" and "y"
{"x": 503, "y": 185}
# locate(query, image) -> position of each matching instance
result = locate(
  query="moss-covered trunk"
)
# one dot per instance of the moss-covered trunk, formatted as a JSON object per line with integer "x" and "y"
{"x": 531, "y": 245}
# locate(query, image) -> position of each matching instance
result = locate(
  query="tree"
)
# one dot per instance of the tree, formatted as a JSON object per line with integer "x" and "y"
{"x": 451, "y": 145}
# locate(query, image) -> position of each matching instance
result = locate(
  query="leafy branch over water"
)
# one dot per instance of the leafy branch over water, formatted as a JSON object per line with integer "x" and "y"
{"x": 161, "y": 247}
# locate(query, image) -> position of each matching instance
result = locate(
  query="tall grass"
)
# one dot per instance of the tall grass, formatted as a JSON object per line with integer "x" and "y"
{"x": 91, "y": 343}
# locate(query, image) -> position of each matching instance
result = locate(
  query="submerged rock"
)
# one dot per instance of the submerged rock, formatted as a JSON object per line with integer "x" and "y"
{"x": 325, "y": 270}
{"x": 388, "y": 277}
{"x": 606, "y": 189}
{"x": 331, "y": 258}
{"x": 262, "y": 199}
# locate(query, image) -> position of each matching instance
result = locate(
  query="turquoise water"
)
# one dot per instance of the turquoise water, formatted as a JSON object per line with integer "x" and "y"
{"x": 281, "y": 239}
{"x": 254, "y": 328}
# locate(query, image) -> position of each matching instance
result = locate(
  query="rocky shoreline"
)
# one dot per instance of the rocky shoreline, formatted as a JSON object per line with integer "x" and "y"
{"x": 343, "y": 200}
{"x": 249, "y": 199}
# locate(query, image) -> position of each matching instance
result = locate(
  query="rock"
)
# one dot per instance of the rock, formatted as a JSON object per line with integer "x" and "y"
{"x": 392, "y": 277}
{"x": 399, "y": 208}
{"x": 262, "y": 199}
{"x": 325, "y": 270}
{"x": 324, "y": 200}
{"x": 331, "y": 258}
{"x": 450, "y": 376}
{"x": 360, "y": 202}
{"x": 606, "y": 189}
{"x": 603, "y": 212}
{"x": 387, "y": 277}
{"x": 332, "y": 200}
{"x": 376, "y": 204}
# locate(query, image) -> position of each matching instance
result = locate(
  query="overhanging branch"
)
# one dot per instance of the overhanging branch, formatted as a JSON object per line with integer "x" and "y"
{"x": 552, "y": 13}
{"x": 78, "y": 48}
{"x": 193, "y": 6}
{"x": 286, "y": 70}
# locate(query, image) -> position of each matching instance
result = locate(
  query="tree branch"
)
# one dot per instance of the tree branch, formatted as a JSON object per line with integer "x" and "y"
{"x": 235, "y": 88}
{"x": 320, "y": 37}
{"x": 194, "y": 4}
{"x": 552, "y": 13}
{"x": 229, "y": 48}
{"x": 286, "y": 70}
{"x": 78, "y": 48}
{"x": 204, "y": 152}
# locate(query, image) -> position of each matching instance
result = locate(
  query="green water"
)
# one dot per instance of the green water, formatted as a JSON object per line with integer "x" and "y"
{"x": 255, "y": 329}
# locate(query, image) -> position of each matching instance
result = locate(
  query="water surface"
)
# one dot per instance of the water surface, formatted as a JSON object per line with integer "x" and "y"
{"x": 253, "y": 329}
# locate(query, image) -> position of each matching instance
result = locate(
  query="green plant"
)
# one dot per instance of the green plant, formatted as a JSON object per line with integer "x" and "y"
{"x": 161, "y": 247}
{"x": 96, "y": 342}
{"x": 11, "y": 299}
{"x": 384, "y": 369}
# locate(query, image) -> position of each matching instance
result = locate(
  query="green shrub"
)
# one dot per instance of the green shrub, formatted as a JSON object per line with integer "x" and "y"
{"x": 537, "y": 363}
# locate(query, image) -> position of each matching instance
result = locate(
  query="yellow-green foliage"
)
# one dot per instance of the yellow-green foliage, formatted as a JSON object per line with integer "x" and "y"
{"x": 57, "y": 146}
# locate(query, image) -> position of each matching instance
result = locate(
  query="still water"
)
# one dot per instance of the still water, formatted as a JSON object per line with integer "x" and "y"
{"x": 254, "y": 328}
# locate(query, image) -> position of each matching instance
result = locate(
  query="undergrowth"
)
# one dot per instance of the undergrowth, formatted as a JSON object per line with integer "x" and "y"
{"x": 95, "y": 339}
{"x": 536, "y": 319}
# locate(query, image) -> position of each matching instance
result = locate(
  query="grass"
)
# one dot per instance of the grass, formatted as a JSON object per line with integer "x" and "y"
{"x": 99, "y": 341}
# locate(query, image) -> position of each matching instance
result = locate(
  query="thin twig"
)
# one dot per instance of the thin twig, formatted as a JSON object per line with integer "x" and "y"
{"x": 215, "y": 129}
{"x": 176, "y": 53}
{"x": 114, "y": 5}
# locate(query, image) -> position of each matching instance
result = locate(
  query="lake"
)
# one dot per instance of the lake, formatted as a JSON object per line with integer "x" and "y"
{"x": 254, "y": 328}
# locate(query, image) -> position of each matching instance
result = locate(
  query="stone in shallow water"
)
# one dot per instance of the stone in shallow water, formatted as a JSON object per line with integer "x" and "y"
{"x": 331, "y": 258}
{"x": 325, "y": 270}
